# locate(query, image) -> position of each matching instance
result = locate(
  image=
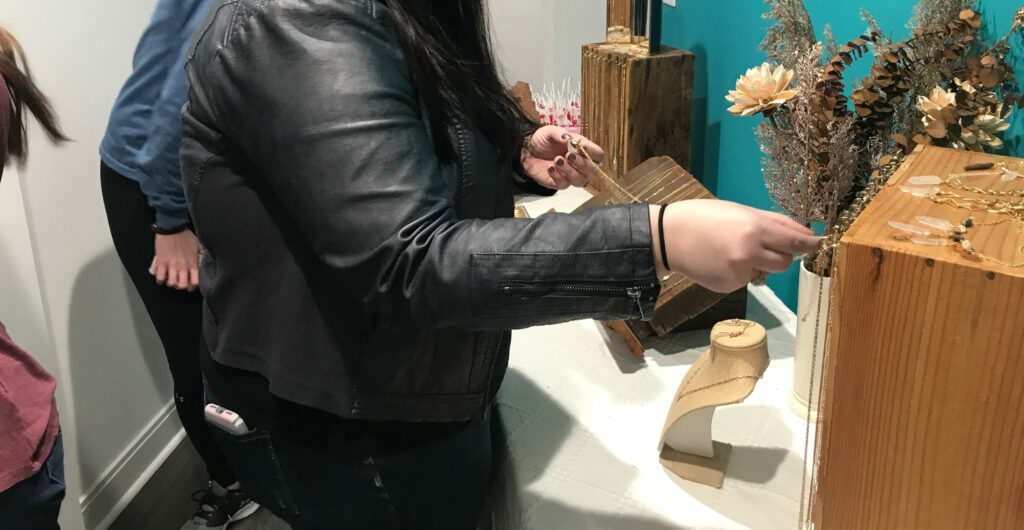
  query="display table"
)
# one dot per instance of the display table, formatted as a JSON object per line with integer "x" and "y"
{"x": 583, "y": 417}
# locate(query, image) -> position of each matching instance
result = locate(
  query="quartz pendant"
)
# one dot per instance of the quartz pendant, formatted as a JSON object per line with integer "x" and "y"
{"x": 929, "y": 242}
{"x": 968, "y": 247}
{"x": 1010, "y": 175}
{"x": 934, "y": 222}
{"x": 920, "y": 191}
{"x": 909, "y": 228}
{"x": 926, "y": 180}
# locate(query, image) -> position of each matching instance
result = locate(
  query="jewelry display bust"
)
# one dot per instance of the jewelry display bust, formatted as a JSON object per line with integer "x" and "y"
{"x": 725, "y": 374}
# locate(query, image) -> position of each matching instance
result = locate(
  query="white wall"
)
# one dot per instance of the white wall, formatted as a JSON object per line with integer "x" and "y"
{"x": 540, "y": 41}
{"x": 79, "y": 314}
{"x": 23, "y": 313}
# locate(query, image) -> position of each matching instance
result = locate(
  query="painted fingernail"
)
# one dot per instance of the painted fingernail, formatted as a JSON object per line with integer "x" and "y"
{"x": 572, "y": 157}
{"x": 560, "y": 161}
{"x": 565, "y": 136}
{"x": 551, "y": 169}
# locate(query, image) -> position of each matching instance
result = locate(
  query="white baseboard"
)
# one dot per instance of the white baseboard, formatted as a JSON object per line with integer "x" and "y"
{"x": 103, "y": 501}
{"x": 774, "y": 304}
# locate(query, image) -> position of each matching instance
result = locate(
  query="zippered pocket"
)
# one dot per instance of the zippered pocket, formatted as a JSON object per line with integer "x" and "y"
{"x": 528, "y": 290}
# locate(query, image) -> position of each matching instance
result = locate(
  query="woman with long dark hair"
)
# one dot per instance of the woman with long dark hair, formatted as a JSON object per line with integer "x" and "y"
{"x": 31, "y": 448}
{"x": 350, "y": 167}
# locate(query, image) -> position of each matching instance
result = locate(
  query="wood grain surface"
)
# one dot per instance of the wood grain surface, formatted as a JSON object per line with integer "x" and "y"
{"x": 637, "y": 106}
{"x": 620, "y": 13}
{"x": 923, "y": 419}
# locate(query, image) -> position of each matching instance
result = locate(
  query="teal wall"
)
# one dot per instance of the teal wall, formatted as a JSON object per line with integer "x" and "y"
{"x": 725, "y": 34}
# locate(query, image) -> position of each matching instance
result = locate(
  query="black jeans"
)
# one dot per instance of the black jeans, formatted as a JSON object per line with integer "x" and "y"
{"x": 358, "y": 475}
{"x": 35, "y": 502}
{"x": 176, "y": 315}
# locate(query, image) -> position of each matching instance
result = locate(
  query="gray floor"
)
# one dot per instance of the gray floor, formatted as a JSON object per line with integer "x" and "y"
{"x": 165, "y": 502}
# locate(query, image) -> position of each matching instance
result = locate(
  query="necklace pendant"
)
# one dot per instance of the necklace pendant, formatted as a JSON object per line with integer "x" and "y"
{"x": 920, "y": 191}
{"x": 909, "y": 228}
{"x": 968, "y": 247}
{"x": 934, "y": 222}
{"x": 926, "y": 180}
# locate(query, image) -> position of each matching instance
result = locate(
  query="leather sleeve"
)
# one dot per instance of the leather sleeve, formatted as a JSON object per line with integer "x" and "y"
{"x": 320, "y": 101}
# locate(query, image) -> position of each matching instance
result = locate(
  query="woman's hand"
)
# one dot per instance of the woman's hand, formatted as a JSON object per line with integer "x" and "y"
{"x": 548, "y": 159}
{"x": 176, "y": 261}
{"x": 723, "y": 245}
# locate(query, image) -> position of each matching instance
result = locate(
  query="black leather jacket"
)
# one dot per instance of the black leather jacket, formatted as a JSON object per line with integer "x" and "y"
{"x": 343, "y": 262}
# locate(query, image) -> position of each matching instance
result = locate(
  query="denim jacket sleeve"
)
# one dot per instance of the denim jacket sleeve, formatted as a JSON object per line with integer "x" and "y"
{"x": 158, "y": 161}
{"x": 321, "y": 101}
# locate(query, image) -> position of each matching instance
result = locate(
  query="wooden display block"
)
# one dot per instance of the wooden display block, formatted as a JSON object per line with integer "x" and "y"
{"x": 637, "y": 106}
{"x": 661, "y": 181}
{"x": 922, "y": 424}
{"x": 619, "y": 12}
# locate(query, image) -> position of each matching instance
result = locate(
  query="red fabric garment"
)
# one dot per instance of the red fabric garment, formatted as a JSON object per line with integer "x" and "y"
{"x": 28, "y": 415}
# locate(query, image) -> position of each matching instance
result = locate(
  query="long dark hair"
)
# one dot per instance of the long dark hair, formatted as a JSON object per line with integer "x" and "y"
{"x": 447, "y": 45}
{"x": 25, "y": 95}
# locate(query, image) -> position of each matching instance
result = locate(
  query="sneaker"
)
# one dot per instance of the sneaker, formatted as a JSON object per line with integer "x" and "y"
{"x": 219, "y": 507}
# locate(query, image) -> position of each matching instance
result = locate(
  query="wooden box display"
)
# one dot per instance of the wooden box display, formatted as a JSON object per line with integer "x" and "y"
{"x": 636, "y": 105}
{"x": 661, "y": 181}
{"x": 923, "y": 412}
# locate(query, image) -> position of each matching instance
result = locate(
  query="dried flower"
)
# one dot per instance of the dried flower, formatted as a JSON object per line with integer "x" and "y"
{"x": 939, "y": 110}
{"x": 761, "y": 90}
{"x": 929, "y": 14}
{"x": 810, "y": 159}
{"x": 982, "y": 132}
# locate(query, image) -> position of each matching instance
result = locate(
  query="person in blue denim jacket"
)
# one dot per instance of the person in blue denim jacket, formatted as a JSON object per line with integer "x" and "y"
{"x": 150, "y": 226}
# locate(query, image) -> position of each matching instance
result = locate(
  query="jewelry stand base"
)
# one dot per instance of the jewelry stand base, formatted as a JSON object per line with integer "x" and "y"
{"x": 707, "y": 471}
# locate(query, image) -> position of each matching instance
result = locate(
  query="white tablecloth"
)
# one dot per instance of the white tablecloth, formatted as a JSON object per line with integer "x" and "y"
{"x": 583, "y": 418}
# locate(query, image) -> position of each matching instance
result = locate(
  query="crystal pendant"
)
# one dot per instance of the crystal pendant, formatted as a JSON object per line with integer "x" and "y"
{"x": 1009, "y": 175}
{"x": 920, "y": 191}
{"x": 934, "y": 222}
{"x": 926, "y": 180}
{"x": 929, "y": 241}
{"x": 909, "y": 228}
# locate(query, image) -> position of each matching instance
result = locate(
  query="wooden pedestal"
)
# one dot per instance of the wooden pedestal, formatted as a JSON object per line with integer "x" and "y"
{"x": 923, "y": 415}
{"x": 637, "y": 106}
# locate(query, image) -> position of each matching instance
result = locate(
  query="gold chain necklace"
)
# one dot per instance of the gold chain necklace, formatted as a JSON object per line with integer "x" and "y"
{"x": 953, "y": 235}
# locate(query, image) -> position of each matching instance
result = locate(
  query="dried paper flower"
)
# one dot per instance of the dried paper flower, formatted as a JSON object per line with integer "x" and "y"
{"x": 982, "y": 132}
{"x": 939, "y": 110}
{"x": 761, "y": 90}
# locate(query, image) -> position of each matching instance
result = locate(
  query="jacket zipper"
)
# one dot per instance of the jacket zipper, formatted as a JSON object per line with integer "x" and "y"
{"x": 463, "y": 165}
{"x": 579, "y": 289}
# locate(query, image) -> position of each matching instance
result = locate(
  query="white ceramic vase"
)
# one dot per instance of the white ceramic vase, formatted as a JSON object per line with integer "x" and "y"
{"x": 809, "y": 316}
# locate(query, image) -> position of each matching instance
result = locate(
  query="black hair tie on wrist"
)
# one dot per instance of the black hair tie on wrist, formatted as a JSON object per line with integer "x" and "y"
{"x": 661, "y": 236}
